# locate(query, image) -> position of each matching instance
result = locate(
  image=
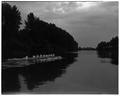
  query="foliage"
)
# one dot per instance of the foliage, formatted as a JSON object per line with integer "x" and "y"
{"x": 111, "y": 45}
{"x": 11, "y": 20}
{"x": 38, "y": 37}
{"x": 48, "y": 36}
{"x": 109, "y": 50}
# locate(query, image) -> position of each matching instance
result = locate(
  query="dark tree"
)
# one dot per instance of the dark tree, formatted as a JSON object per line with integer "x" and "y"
{"x": 37, "y": 37}
{"x": 114, "y": 43}
{"x": 102, "y": 45}
{"x": 48, "y": 37}
{"x": 10, "y": 26}
{"x": 111, "y": 45}
{"x": 11, "y": 20}
{"x": 109, "y": 50}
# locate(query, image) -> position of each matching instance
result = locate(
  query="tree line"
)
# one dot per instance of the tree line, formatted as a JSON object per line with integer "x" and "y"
{"x": 37, "y": 37}
{"x": 111, "y": 45}
{"x": 109, "y": 50}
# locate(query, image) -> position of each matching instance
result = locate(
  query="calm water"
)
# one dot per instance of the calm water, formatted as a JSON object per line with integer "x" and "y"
{"x": 82, "y": 72}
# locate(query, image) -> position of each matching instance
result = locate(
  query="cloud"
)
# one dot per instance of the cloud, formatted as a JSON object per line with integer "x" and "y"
{"x": 88, "y": 22}
{"x": 93, "y": 25}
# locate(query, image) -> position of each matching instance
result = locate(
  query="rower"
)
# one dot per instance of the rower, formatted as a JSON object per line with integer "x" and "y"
{"x": 40, "y": 56}
{"x": 37, "y": 56}
{"x": 33, "y": 56}
{"x": 26, "y": 57}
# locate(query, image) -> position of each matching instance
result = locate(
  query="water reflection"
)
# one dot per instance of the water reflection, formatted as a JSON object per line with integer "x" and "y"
{"x": 13, "y": 79}
{"x": 113, "y": 55}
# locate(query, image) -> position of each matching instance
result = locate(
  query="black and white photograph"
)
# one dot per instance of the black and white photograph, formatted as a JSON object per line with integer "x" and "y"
{"x": 59, "y": 47}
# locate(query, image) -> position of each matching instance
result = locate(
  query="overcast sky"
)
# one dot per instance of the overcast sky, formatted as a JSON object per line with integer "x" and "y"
{"x": 88, "y": 22}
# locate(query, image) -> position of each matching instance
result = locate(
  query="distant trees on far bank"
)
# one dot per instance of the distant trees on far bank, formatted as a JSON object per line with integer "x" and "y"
{"x": 109, "y": 50}
{"x": 112, "y": 45}
{"x": 38, "y": 37}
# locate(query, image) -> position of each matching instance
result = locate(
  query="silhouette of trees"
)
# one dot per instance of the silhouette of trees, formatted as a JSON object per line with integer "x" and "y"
{"x": 47, "y": 36}
{"x": 109, "y": 50}
{"x": 37, "y": 37}
{"x": 102, "y": 45}
{"x": 111, "y": 45}
{"x": 11, "y": 20}
{"x": 114, "y": 43}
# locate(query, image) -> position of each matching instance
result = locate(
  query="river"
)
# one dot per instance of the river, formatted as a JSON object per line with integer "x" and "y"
{"x": 85, "y": 72}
